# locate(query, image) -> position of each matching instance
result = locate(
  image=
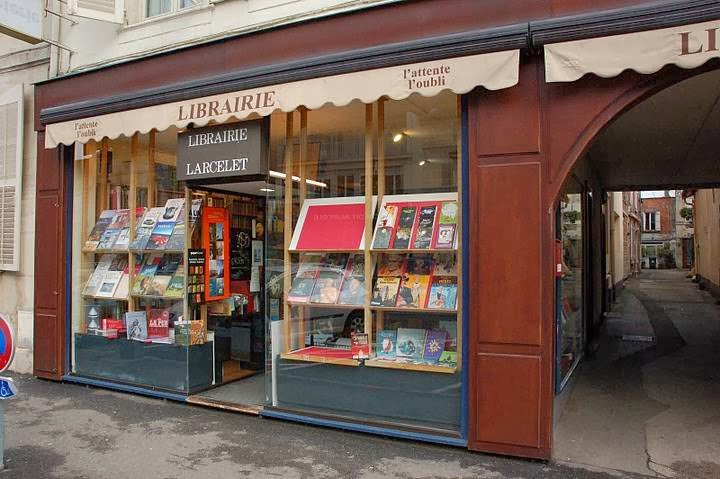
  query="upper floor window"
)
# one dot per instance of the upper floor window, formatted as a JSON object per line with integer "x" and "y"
{"x": 160, "y": 7}
{"x": 651, "y": 220}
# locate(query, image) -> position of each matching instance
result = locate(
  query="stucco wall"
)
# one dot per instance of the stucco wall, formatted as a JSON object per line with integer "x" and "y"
{"x": 21, "y": 63}
{"x": 707, "y": 234}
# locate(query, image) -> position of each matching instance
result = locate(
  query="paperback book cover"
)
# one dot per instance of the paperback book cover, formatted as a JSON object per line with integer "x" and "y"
{"x": 137, "y": 326}
{"x": 445, "y": 237}
{"x": 356, "y": 265}
{"x": 445, "y": 264}
{"x": 386, "y": 344}
{"x": 176, "y": 286}
{"x": 448, "y": 358}
{"x": 169, "y": 264}
{"x": 158, "y": 285}
{"x": 405, "y": 227}
{"x": 385, "y": 226}
{"x": 123, "y": 287}
{"x": 443, "y": 293}
{"x": 310, "y": 263}
{"x": 93, "y": 283}
{"x": 434, "y": 346}
{"x": 172, "y": 210}
{"x": 450, "y": 327}
{"x": 359, "y": 345}
{"x": 353, "y": 291}
{"x": 336, "y": 261}
{"x": 107, "y": 241}
{"x": 147, "y": 272}
{"x": 391, "y": 264}
{"x": 109, "y": 284}
{"x": 424, "y": 227}
{"x": 419, "y": 263}
{"x": 158, "y": 323}
{"x": 145, "y": 227}
{"x": 106, "y": 217}
{"x": 385, "y": 291}
{"x": 413, "y": 291}
{"x": 177, "y": 239}
{"x": 448, "y": 213}
{"x": 410, "y": 344}
{"x": 327, "y": 287}
{"x": 302, "y": 286}
{"x": 120, "y": 220}
{"x": 160, "y": 235}
{"x": 123, "y": 240}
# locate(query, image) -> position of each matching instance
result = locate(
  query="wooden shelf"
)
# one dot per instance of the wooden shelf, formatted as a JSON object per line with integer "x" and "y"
{"x": 314, "y": 358}
{"x": 325, "y": 251}
{"x": 105, "y": 298}
{"x": 414, "y": 310}
{"x": 149, "y": 251}
{"x": 105, "y": 251}
{"x": 148, "y": 296}
{"x": 326, "y": 306}
{"x": 428, "y": 368}
{"x": 443, "y": 250}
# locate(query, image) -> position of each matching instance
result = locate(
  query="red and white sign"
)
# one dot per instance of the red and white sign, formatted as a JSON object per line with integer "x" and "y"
{"x": 7, "y": 343}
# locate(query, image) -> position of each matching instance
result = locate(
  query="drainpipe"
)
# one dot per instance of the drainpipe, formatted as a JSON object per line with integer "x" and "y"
{"x": 55, "y": 52}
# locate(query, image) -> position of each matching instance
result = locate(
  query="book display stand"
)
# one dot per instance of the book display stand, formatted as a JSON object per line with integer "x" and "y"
{"x": 397, "y": 270}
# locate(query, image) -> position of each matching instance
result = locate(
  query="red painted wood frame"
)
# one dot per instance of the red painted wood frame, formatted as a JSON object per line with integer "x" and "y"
{"x": 211, "y": 217}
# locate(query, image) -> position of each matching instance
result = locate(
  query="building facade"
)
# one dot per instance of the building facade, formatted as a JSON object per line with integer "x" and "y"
{"x": 659, "y": 240}
{"x": 341, "y": 133}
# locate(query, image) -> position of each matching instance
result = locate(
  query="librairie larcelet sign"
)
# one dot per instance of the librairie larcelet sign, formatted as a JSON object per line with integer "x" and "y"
{"x": 221, "y": 151}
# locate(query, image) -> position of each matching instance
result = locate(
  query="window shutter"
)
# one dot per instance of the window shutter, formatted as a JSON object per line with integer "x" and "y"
{"x": 104, "y": 10}
{"x": 657, "y": 220}
{"x": 11, "y": 155}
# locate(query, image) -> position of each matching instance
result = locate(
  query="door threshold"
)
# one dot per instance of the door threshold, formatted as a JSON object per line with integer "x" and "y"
{"x": 226, "y": 406}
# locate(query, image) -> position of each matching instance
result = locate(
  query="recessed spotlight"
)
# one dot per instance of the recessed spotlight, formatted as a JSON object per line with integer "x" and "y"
{"x": 397, "y": 137}
{"x": 421, "y": 162}
{"x": 269, "y": 190}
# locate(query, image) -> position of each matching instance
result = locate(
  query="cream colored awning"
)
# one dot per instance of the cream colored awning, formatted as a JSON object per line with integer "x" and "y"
{"x": 687, "y": 46}
{"x": 460, "y": 75}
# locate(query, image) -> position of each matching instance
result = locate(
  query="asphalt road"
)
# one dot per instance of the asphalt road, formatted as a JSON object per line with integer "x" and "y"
{"x": 71, "y": 431}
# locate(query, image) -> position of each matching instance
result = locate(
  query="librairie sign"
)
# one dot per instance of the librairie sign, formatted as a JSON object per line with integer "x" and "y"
{"x": 221, "y": 151}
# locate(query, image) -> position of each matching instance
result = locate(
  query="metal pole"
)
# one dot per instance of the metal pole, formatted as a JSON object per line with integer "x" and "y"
{"x": 2, "y": 435}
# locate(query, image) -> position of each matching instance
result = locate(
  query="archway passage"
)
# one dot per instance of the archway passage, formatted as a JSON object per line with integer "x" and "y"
{"x": 638, "y": 328}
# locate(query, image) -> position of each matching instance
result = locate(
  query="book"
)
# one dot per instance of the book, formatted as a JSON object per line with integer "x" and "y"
{"x": 359, "y": 345}
{"x": 448, "y": 213}
{"x": 450, "y": 327}
{"x": 145, "y": 227}
{"x": 93, "y": 282}
{"x": 160, "y": 235}
{"x": 123, "y": 240}
{"x": 310, "y": 262}
{"x": 386, "y": 344}
{"x": 172, "y": 210}
{"x": 120, "y": 220}
{"x": 176, "y": 286}
{"x": 385, "y": 226}
{"x": 158, "y": 285}
{"x": 385, "y": 291}
{"x": 123, "y": 287}
{"x": 391, "y": 264}
{"x": 413, "y": 291}
{"x": 424, "y": 227}
{"x": 177, "y": 238}
{"x": 444, "y": 264}
{"x": 301, "y": 287}
{"x": 169, "y": 264}
{"x": 434, "y": 346}
{"x": 327, "y": 287}
{"x": 405, "y": 227}
{"x": 356, "y": 265}
{"x": 448, "y": 358}
{"x": 107, "y": 241}
{"x": 336, "y": 261}
{"x": 419, "y": 263}
{"x": 446, "y": 237}
{"x": 109, "y": 284}
{"x": 147, "y": 272}
{"x": 106, "y": 217}
{"x": 158, "y": 323}
{"x": 352, "y": 291}
{"x": 136, "y": 324}
{"x": 443, "y": 293}
{"x": 410, "y": 344}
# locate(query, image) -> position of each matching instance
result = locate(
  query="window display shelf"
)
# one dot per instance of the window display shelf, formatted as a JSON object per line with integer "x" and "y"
{"x": 326, "y": 306}
{"x": 415, "y": 310}
{"x": 317, "y": 354}
{"x": 158, "y": 251}
{"x": 430, "y": 368}
{"x": 150, "y": 296}
{"x": 125, "y": 300}
{"x": 326, "y": 250}
{"x": 105, "y": 251}
{"x": 428, "y": 250}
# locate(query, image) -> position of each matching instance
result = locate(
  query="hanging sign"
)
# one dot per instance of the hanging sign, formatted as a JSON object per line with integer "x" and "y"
{"x": 221, "y": 151}
{"x": 7, "y": 343}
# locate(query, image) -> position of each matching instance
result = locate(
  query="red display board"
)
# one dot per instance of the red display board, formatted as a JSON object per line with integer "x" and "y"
{"x": 216, "y": 242}
{"x": 335, "y": 224}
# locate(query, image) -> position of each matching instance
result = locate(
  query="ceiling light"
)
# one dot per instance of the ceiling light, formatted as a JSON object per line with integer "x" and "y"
{"x": 270, "y": 190}
{"x": 277, "y": 174}
{"x": 421, "y": 162}
{"x": 397, "y": 137}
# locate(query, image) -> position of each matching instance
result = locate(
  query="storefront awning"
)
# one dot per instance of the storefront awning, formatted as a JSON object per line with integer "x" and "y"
{"x": 460, "y": 75}
{"x": 687, "y": 46}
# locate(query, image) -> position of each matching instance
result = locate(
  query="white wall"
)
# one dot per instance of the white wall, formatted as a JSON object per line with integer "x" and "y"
{"x": 22, "y": 63}
{"x": 100, "y": 43}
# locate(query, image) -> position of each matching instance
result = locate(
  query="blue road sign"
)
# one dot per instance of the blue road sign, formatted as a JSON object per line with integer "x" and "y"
{"x": 7, "y": 388}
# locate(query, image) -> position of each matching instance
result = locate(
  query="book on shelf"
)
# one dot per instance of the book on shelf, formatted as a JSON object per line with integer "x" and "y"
{"x": 327, "y": 287}
{"x": 107, "y": 241}
{"x": 359, "y": 345}
{"x": 410, "y": 344}
{"x": 97, "y": 231}
{"x": 301, "y": 288}
{"x": 311, "y": 262}
{"x": 447, "y": 227}
{"x": 123, "y": 239}
{"x": 413, "y": 291}
{"x": 385, "y": 227}
{"x": 419, "y": 263}
{"x": 443, "y": 293}
{"x": 404, "y": 230}
{"x": 157, "y": 285}
{"x": 176, "y": 286}
{"x": 147, "y": 272}
{"x": 353, "y": 291}
{"x": 137, "y": 326}
{"x": 434, "y": 346}
{"x": 177, "y": 238}
{"x": 169, "y": 264}
{"x": 386, "y": 344}
{"x": 450, "y": 327}
{"x": 385, "y": 291}
{"x": 445, "y": 237}
{"x": 356, "y": 265}
{"x": 123, "y": 287}
{"x": 109, "y": 284}
{"x": 391, "y": 264}
{"x": 93, "y": 282}
{"x": 448, "y": 212}
{"x": 172, "y": 210}
{"x": 145, "y": 227}
{"x": 448, "y": 359}
{"x": 424, "y": 227}
{"x": 336, "y": 261}
{"x": 444, "y": 264}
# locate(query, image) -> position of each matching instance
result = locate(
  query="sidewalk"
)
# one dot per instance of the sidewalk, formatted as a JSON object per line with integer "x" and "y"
{"x": 71, "y": 431}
